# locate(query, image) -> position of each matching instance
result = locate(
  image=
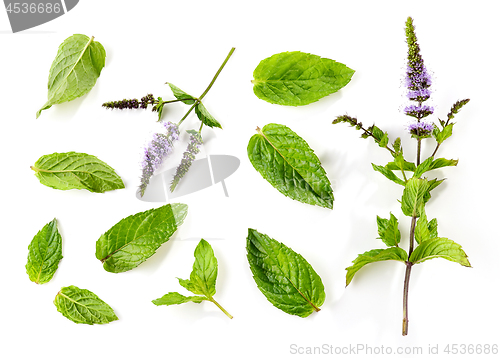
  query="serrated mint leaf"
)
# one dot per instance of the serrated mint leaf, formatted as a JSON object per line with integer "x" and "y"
{"x": 423, "y": 167}
{"x": 286, "y": 279}
{"x": 201, "y": 281}
{"x": 181, "y": 95}
{"x": 75, "y": 69}
{"x": 422, "y": 232}
{"x": 403, "y": 164}
{"x": 206, "y": 117}
{"x": 174, "y": 298}
{"x": 388, "y": 230}
{"x": 388, "y": 174}
{"x": 413, "y": 196}
{"x": 287, "y": 162}
{"x": 433, "y": 226}
{"x": 442, "y": 162}
{"x": 136, "y": 238}
{"x": 298, "y": 78}
{"x": 376, "y": 255}
{"x": 83, "y": 306}
{"x": 73, "y": 170}
{"x": 444, "y": 134}
{"x": 45, "y": 252}
{"x": 439, "y": 247}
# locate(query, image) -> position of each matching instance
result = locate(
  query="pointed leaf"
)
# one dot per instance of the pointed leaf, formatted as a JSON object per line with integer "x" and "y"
{"x": 75, "y": 69}
{"x": 433, "y": 227}
{"x": 137, "y": 237}
{"x": 174, "y": 298}
{"x": 287, "y": 162}
{"x": 204, "y": 272}
{"x": 388, "y": 174}
{"x": 423, "y": 167}
{"x": 422, "y": 231}
{"x": 286, "y": 279}
{"x": 413, "y": 196}
{"x": 45, "y": 252}
{"x": 442, "y": 162}
{"x": 376, "y": 255}
{"x": 297, "y": 78}
{"x": 73, "y": 170}
{"x": 445, "y": 133}
{"x": 439, "y": 247}
{"x": 389, "y": 231}
{"x": 206, "y": 117}
{"x": 181, "y": 95}
{"x": 83, "y": 306}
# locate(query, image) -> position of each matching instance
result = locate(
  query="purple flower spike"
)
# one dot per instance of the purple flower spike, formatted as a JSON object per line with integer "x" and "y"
{"x": 418, "y": 111}
{"x": 421, "y": 129}
{"x": 188, "y": 157}
{"x": 157, "y": 150}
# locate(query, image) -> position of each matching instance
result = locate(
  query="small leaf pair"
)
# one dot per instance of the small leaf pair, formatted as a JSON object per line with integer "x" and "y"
{"x": 201, "y": 281}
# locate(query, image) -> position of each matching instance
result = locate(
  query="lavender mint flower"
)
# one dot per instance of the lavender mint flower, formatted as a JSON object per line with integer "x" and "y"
{"x": 418, "y": 79}
{"x": 157, "y": 150}
{"x": 420, "y": 129}
{"x": 188, "y": 157}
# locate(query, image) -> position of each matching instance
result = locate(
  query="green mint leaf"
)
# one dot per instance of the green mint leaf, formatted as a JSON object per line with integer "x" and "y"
{"x": 441, "y": 162}
{"x": 75, "y": 69}
{"x": 422, "y": 232}
{"x": 45, "y": 252}
{"x": 71, "y": 170}
{"x": 287, "y": 162}
{"x": 83, "y": 306}
{"x": 174, "y": 298}
{"x": 206, "y": 117}
{"x": 376, "y": 255}
{"x": 432, "y": 184}
{"x": 413, "y": 196}
{"x": 388, "y": 230}
{"x": 439, "y": 247}
{"x": 286, "y": 279}
{"x": 397, "y": 146}
{"x": 181, "y": 95}
{"x": 136, "y": 238}
{"x": 388, "y": 174}
{"x": 423, "y": 167}
{"x": 204, "y": 274}
{"x": 201, "y": 281}
{"x": 433, "y": 226}
{"x": 399, "y": 164}
{"x": 298, "y": 78}
{"x": 445, "y": 133}
{"x": 159, "y": 108}
{"x": 384, "y": 140}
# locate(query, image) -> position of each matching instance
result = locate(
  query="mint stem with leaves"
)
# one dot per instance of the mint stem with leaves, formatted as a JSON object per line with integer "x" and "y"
{"x": 161, "y": 145}
{"x": 424, "y": 241}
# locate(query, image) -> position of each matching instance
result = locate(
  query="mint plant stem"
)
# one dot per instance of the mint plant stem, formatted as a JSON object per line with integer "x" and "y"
{"x": 211, "y": 299}
{"x": 217, "y": 74}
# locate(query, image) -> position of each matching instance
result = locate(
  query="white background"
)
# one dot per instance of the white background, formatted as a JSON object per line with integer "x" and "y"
{"x": 151, "y": 42}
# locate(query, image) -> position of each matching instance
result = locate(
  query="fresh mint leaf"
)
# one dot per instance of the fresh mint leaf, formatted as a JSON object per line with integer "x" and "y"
{"x": 206, "y": 117}
{"x": 413, "y": 196}
{"x": 442, "y": 162}
{"x": 433, "y": 226}
{"x": 376, "y": 255}
{"x": 406, "y": 166}
{"x": 388, "y": 230}
{"x": 286, "y": 279}
{"x": 73, "y": 170}
{"x": 287, "y": 162}
{"x": 422, "y": 232}
{"x": 45, "y": 252}
{"x": 75, "y": 69}
{"x": 83, "y": 306}
{"x": 174, "y": 298}
{"x": 181, "y": 95}
{"x": 298, "y": 78}
{"x": 137, "y": 237}
{"x": 439, "y": 247}
{"x": 388, "y": 174}
{"x": 201, "y": 281}
{"x": 423, "y": 167}
{"x": 446, "y": 133}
